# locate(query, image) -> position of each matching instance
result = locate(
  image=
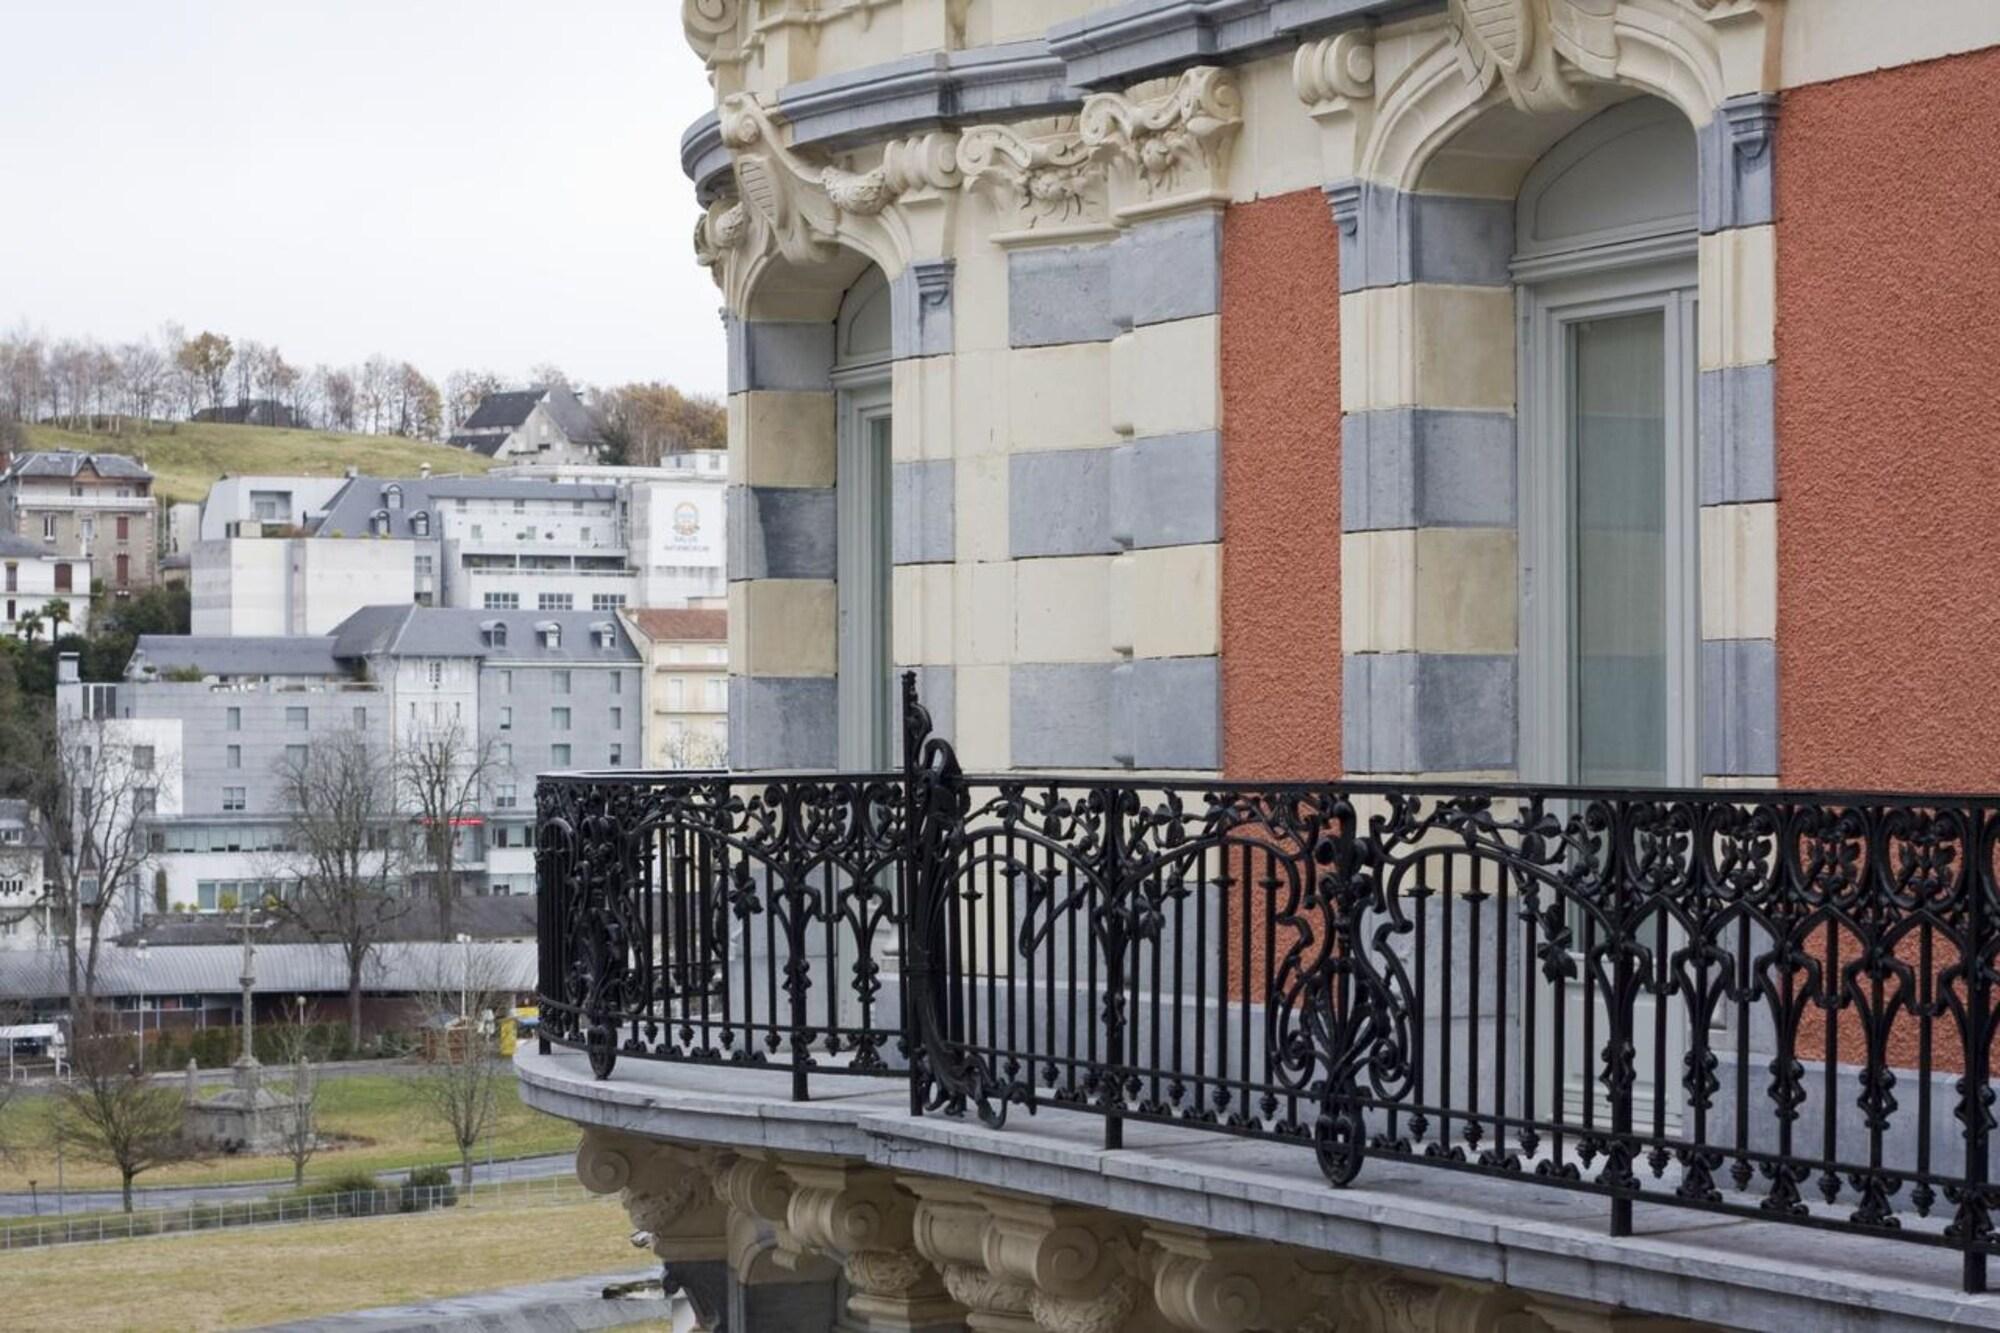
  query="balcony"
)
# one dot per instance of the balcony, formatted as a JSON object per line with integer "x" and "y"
{"x": 1723, "y": 1056}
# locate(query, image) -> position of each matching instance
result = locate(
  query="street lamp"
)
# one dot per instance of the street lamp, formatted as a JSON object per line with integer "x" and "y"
{"x": 139, "y": 956}
{"x": 465, "y": 980}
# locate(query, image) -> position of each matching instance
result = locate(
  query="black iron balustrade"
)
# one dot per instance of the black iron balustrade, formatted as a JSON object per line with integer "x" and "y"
{"x": 1778, "y": 1005}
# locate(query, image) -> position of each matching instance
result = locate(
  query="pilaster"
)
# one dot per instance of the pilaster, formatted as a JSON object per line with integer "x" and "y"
{"x": 858, "y": 1215}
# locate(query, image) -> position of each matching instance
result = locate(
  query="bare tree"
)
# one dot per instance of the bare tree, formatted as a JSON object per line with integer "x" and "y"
{"x": 142, "y": 376}
{"x": 345, "y": 862}
{"x": 684, "y": 748}
{"x": 463, "y": 390}
{"x": 458, "y": 1085}
{"x": 112, "y": 1110}
{"x": 375, "y": 391}
{"x": 338, "y": 389}
{"x": 205, "y": 360}
{"x": 98, "y": 780}
{"x": 301, "y": 1095}
{"x": 443, "y": 772}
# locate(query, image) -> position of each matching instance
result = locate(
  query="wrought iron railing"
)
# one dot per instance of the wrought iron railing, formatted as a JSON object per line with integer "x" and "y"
{"x": 1778, "y": 1005}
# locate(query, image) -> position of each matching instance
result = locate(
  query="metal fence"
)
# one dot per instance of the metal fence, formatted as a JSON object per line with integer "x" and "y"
{"x": 1777, "y": 1005}
{"x": 282, "y": 1210}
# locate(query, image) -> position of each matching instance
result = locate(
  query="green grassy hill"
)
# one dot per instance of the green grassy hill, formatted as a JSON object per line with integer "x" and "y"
{"x": 188, "y": 457}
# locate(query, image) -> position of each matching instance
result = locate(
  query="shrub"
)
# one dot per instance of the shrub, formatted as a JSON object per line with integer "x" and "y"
{"x": 428, "y": 1187}
{"x": 356, "y": 1194}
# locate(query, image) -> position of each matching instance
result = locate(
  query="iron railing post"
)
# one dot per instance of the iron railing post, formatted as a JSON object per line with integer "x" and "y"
{"x": 1113, "y": 938}
{"x": 1976, "y": 1096}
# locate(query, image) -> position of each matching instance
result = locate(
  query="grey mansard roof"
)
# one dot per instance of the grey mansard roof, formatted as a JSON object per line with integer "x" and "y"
{"x": 447, "y": 631}
{"x": 70, "y": 462}
{"x": 503, "y": 411}
{"x": 282, "y": 969}
{"x": 356, "y": 504}
{"x": 248, "y": 655}
{"x": 27, "y": 548}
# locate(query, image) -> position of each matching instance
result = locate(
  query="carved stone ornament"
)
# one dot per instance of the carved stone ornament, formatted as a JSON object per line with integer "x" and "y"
{"x": 1054, "y": 179}
{"x": 860, "y": 1216}
{"x": 1539, "y": 49}
{"x": 666, "y": 1189}
{"x": 711, "y": 26}
{"x": 1174, "y": 142}
{"x": 1334, "y": 70}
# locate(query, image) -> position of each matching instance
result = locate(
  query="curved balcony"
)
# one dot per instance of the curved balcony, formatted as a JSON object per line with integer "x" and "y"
{"x": 1606, "y": 1011}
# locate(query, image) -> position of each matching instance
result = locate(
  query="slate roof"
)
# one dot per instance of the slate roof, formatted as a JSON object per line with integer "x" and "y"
{"x": 70, "y": 462}
{"x": 282, "y": 969}
{"x": 668, "y": 624}
{"x": 452, "y": 631}
{"x": 488, "y": 444}
{"x": 356, "y": 503}
{"x": 246, "y": 655}
{"x": 504, "y": 411}
{"x": 484, "y": 917}
{"x": 16, "y": 814}
{"x": 25, "y": 547}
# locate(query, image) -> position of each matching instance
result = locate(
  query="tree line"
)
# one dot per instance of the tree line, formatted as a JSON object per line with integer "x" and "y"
{"x": 85, "y": 384}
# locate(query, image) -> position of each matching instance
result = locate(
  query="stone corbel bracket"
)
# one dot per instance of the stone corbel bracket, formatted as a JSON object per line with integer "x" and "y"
{"x": 1335, "y": 78}
{"x": 1168, "y": 149}
{"x": 666, "y": 1190}
{"x": 1046, "y": 187}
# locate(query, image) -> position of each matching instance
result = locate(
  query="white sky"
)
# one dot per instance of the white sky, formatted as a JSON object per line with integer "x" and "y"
{"x": 477, "y": 183}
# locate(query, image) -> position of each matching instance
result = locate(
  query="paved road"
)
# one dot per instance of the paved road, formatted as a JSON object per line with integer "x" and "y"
{"x": 574, "y": 1303}
{"x": 183, "y": 1196}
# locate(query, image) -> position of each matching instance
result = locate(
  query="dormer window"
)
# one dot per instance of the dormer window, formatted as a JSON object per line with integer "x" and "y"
{"x": 493, "y": 633}
{"x": 420, "y": 523}
{"x": 392, "y": 496}
{"x": 550, "y": 634}
{"x": 378, "y": 523}
{"x": 601, "y": 634}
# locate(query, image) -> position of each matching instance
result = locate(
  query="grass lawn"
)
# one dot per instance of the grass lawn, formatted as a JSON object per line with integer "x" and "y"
{"x": 187, "y": 457}
{"x": 377, "y": 1121}
{"x": 214, "y": 1280}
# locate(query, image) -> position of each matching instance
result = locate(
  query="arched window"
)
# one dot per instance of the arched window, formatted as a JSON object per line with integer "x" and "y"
{"x": 392, "y": 496}
{"x": 420, "y": 523}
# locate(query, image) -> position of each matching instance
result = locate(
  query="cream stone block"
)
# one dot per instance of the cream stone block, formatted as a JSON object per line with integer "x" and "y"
{"x": 979, "y": 505}
{"x": 979, "y": 296}
{"x": 1464, "y": 346}
{"x": 786, "y": 627}
{"x": 1119, "y": 612}
{"x": 1378, "y": 583}
{"x": 1739, "y": 571}
{"x": 984, "y": 632}
{"x": 1278, "y": 149}
{"x": 1057, "y": 397}
{"x": 921, "y": 632}
{"x": 1060, "y": 608}
{"x": 1167, "y": 377}
{"x": 781, "y": 438}
{"x": 979, "y": 416}
{"x": 1465, "y": 598}
{"x": 1739, "y": 297}
{"x": 981, "y": 708}
{"x": 1176, "y": 601}
{"x": 1832, "y": 39}
{"x": 920, "y": 396}
{"x": 1374, "y": 342}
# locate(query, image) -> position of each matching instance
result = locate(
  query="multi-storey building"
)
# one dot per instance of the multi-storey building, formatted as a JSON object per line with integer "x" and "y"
{"x": 542, "y": 425}
{"x": 267, "y": 501}
{"x": 528, "y": 691}
{"x": 687, "y": 684}
{"x": 248, "y": 583}
{"x": 95, "y": 506}
{"x": 32, "y": 576}
{"x": 25, "y": 912}
{"x": 1438, "y": 520}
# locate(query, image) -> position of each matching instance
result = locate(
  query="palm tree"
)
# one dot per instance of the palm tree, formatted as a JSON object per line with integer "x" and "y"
{"x": 29, "y": 624}
{"x": 56, "y": 613}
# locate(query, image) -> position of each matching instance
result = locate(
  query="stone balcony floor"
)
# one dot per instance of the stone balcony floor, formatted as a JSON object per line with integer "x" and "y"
{"x": 1687, "y": 1265}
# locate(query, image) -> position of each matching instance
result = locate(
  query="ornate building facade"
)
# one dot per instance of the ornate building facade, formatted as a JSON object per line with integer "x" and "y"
{"x": 1562, "y": 391}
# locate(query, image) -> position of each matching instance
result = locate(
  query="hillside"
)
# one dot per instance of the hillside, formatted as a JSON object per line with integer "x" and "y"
{"x": 188, "y": 457}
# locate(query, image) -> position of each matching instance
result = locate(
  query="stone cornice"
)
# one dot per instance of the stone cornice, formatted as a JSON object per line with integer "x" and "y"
{"x": 1051, "y": 75}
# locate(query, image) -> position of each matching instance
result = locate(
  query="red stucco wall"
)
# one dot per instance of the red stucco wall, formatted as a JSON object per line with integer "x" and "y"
{"x": 1281, "y": 488}
{"x": 1889, "y": 428}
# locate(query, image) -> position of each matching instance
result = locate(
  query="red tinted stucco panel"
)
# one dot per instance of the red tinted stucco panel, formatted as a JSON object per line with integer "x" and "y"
{"x": 1281, "y": 488}
{"x": 1888, "y": 414}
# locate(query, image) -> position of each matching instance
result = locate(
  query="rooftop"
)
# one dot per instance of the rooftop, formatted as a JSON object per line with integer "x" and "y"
{"x": 361, "y": 500}
{"x": 282, "y": 969}
{"x": 72, "y": 463}
{"x": 665, "y": 624}
{"x": 439, "y": 631}
{"x": 223, "y": 655}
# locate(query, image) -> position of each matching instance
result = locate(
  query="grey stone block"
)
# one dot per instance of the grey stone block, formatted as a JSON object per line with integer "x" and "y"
{"x": 1421, "y": 467}
{"x": 1175, "y": 707}
{"x": 923, "y": 500}
{"x": 1389, "y": 237}
{"x": 808, "y": 1307}
{"x": 778, "y": 532}
{"x": 1739, "y": 434}
{"x": 920, "y": 310}
{"x": 1060, "y": 714}
{"x": 1168, "y": 268}
{"x": 1059, "y": 503}
{"x": 1738, "y": 152}
{"x": 1166, "y": 490}
{"x": 1428, "y": 712}
{"x": 1060, "y": 295}
{"x": 779, "y": 354}
{"x": 778, "y": 722}
{"x": 1739, "y": 707}
{"x": 937, "y": 691}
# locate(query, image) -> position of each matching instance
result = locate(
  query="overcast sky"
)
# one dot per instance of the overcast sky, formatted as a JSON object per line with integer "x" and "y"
{"x": 477, "y": 183}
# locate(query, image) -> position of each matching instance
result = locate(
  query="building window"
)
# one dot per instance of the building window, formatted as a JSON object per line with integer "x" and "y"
{"x": 435, "y": 671}
{"x": 124, "y": 528}
{"x": 232, "y": 757}
{"x": 425, "y": 566}
{"x": 506, "y": 682}
{"x": 295, "y": 755}
{"x": 503, "y": 799}
{"x": 674, "y": 690}
{"x": 559, "y": 681}
{"x": 235, "y": 720}
{"x": 360, "y": 719}
{"x": 65, "y": 577}
{"x": 607, "y": 601}
{"x": 673, "y": 652}
{"x": 505, "y": 753}
{"x": 233, "y": 799}
{"x": 617, "y": 717}
{"x": 121, "y": 569}
{"x": 297, "y": 719}
{"x": 14, "y": 578}
{"x": 618, "y": 682}
{"x": 48, "y": 527}
{"x": 559, "y": 756}
{"x": 477, "y": 532}
{"x": 142, "y": 758}
{"x": 520, "y": 506}
{"x": 145, "y": 800}
{"x": 718, "y": 655}
{"x": 718, "y": 698}
{"x": 420, "y": 523}
{"x": 617, "y": 755}
{"x": 503, "y": 601}
{"x": 506, "y": 719}
{"x": 554, "y": 601}
{"x": 392, "y": 496}
{"x": 559, "y": 719}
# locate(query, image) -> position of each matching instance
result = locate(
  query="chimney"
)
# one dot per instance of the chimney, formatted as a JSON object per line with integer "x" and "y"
{"x": 67, "y": 672}
{"x": 350, "y": 472}
{"x": 424, "y": 471}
